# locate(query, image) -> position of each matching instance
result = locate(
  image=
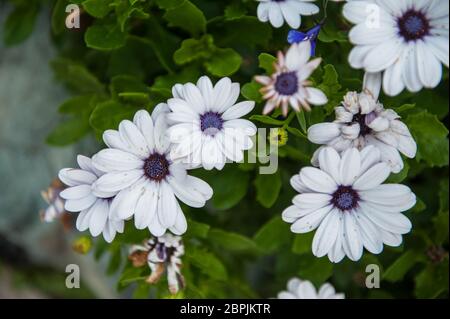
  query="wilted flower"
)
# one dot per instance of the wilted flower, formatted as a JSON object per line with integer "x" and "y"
{"x": 161, "y": 254}
{"x": 361, "y": 120}
{"x": 55, "y": 209}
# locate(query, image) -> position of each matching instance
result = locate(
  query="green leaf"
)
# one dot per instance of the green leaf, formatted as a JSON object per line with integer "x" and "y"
{"x": 266, "y": 120}
{"x": 302, "y": 243}
{"x": 76, "y": 76}
{"x": 108, "y": 115}
{"x": 193, "y": 49}
{"x": 402, "y": 265}
{"x": 105, "y": 37}
{"x": 68, "y": 132}
{"x": 235, "y": 11}
{"x": 332, "y": 34}
{"x": 331, "y": 87}
{"x": 302, "y": 121}
{"x": 185, "y": 15}
{"x": 296, "y": 132}
{"x": 207, "y": 262}
{"x": 20, "y": 23}
{"x": 317, "y": 270}
{"x": 231, "y": 241}
{"x": 246, "y": 31}
{"x": 126, "y": 84}
{"x": 82, "y": 104}
{"x": 197, "y": 229}
{"x": 441, "y": 225}
{"x": 266, "y": 62}
{"x": 251, "y": 91}
{"x": 224, "y": 62}
{"x": 268, "y": 187}
{"x": 431, "y": 137}
{"x": 130, "y": 275}
{"x": 97, "y": 8}
{"x": 433, "y": 280}
{"x": 229, "y": 187}
{"x": 59, "y": 16}
{"x": 272, "y": 235}
{"x": 400, "y": 176}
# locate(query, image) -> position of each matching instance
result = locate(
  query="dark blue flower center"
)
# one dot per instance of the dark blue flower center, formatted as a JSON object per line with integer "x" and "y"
{"x": 156, "y": 167}
{"x": 361, "y": 120}
{"x": 413, "y": 25}
{"x": 211, "y": 123}
{"x": 287, "y": 83}
{"x": 345, "y": 198}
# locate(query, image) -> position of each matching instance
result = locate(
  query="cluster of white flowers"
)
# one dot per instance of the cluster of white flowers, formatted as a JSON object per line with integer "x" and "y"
{"x": 143, "y": 172}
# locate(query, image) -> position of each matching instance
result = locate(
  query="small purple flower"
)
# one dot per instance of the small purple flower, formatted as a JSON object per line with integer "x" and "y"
{"x": 295, "y": 36}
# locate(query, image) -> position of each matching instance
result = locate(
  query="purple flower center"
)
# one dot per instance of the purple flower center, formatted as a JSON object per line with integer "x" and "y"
{"x": 413, "y": 25}
{"x": 156, "y": 167}
{"x": 345, "y": 198}
{"x": 287, "y": 83}
{"x": 211, "y": 123}
{"x": 362, "y": 121}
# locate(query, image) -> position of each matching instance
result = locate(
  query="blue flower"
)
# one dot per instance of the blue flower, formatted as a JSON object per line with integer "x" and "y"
{"x": 295, "y": 36}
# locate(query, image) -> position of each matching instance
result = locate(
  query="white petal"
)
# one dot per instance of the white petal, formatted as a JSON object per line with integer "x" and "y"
{"x": 429, "y": 67}
{"x": 323, "y": 133}
{"x": 167, "y": 211}
{"x": 310, "y": 221}
{"x": 311, "y": 201}
{"x": 372, "y": 83}
{"x": 316, "y": 96}
{"x": 123, "y": 206}
{"x": 99, "y": 216}
{"x": 350, "y": 166}
{"x": 326, "y": 234}
{"x": 317, "y": 180}
{"x": 144, "y": 122}
{"x": 146, "y": 206}
{"x": 194, "y": 98}
{"x": 329, "y": 161}
{"x": 75, "y": 177}
{"x": 76, "y": 192}
{"x": 383, "y": 55}
{"x": 206, "y": 88}
{"x": 238, "y": 110}
{"x": 275, "y": 16}
{"x": 370, "y": 235}
{"x": 77, "y": 205}
{"x": 352, "y": 237}
{"x": 373, "y": 177}
{"x": 180, "y": 226}
{"x": 110, "y": 160}
{"x": 133, "y": 139}
{"x": 116, "y": 181}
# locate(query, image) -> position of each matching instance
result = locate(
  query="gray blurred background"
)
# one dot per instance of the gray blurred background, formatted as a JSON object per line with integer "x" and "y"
{"x": 33, "y": 255}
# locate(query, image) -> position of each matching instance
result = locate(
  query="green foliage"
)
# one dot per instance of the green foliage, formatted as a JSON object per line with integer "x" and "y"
{"x": 128, "y": 54}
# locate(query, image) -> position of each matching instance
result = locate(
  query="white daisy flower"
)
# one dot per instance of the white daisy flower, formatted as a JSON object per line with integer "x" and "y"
{"x": 304, "y": 289}
{"x": 348, "y": 204}
{"x": 361, "y": 121}
{"x": 206, "y": 127}
{"x": 401, "y": 43}
{"x": 161, "y": 254}
{"x": 289, "y": 84}
{"x": 146, "y": 181}
{"x": 94, "y": 210}
{"x": 279, "y": 11}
